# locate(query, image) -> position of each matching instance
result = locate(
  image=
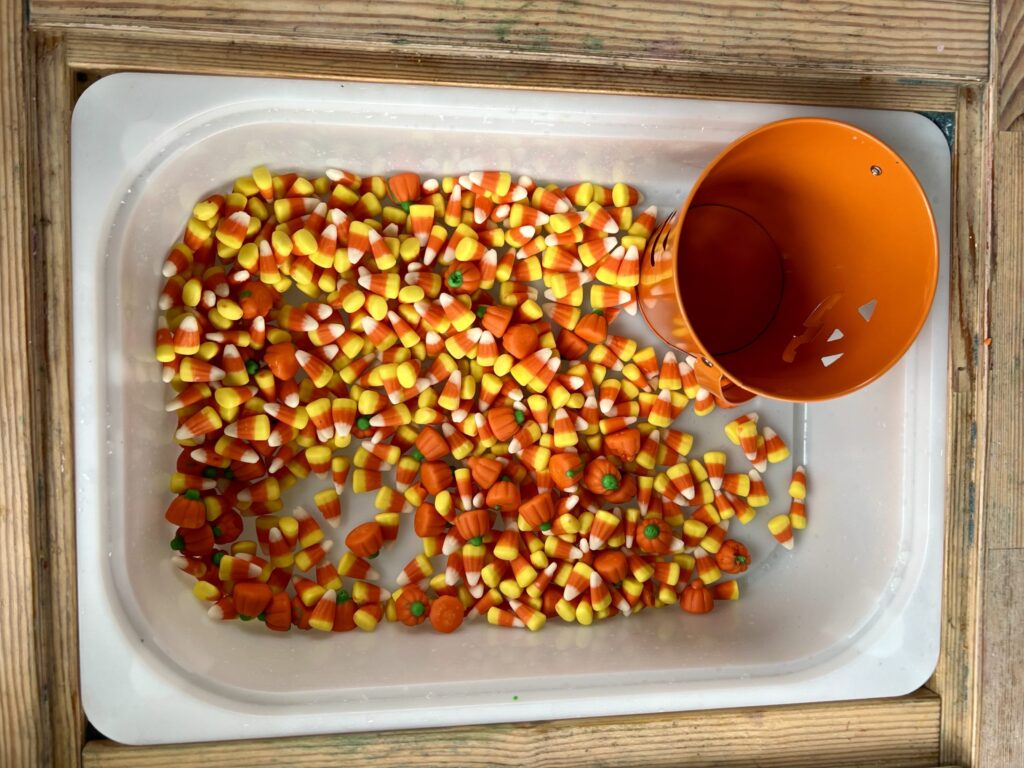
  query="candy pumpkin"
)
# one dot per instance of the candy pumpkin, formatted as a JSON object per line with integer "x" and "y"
{"x": 187, "y": 510}
{"x": 484, "y": 471}
{"x": 625, "y": 492}
{"x": 404, "y": 188}
{"x": 256, "y": 300}
{"x": 538, "y": 511}
{"x": 446, "y": 614}
{"x": 251, "y": 597}
{"x": 193, "y": 542}
{"x": 280, "y": 359}
{"x": 697, "y": 598}
{"x": 473, "y": 525}
{"x": 570, "y": 346}
{"x": 412, "y": 606}
{"x": 601, "y": 477}
{"x": 436, "y": 476}
{"x": 462, "y": 277}
{"x": 624, "y": 444}
{"x": 733, "y": 557}
{"x": 521, "y": 340}
{"x": 365, "y": 540}
{"x": 654, "y": 536}
{"x": 344, "y": 613}
{"x": 612, "y": 565}
{"x": 227, "y": 527}
{"x": 431, "y": 445}
{"x": 566, "y": 469}
{"x": 505, "y": 422}
{"x": 278, "y": 613}
{"x": 428, "y": 522}
{"x": 503, "y": 496}
{"x": 592, "y": 327}
{"x": 495, "y": 319}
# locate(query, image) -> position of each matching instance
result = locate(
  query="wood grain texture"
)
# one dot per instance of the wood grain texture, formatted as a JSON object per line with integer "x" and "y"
{"x": 103, "y": 51}
{"x": 901, "y": 731}
{"x": 1004, "y": 508}
{"x": 23, "y": 709}
{"x": 955, "y": 678}
{"x": 1002, "y": 720}
{"x": 1008, "y": 62}
{"x": 50, "y": 230}
{"x": 931, "y": 39}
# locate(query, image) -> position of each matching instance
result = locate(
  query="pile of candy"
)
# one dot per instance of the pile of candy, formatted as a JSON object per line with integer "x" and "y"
{"x": 346, "y": 327}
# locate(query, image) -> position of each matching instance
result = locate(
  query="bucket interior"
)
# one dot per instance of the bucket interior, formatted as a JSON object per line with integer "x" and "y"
{"x": 808, "y": 260}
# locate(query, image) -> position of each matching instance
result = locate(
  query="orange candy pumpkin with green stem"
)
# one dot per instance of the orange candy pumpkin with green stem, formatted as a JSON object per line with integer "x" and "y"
{"x": 495, "y": 319}
{"x": 431, "y": 445}
{"x": 404, "y": 188}
{"x": 473, "y": 525}
{"x": 412, "y": 606}
{"x": 625, "y": 492}
{"x": 194, "y": 542}
{"x": 538, "y": 511}
{"x": 696, "y": 598}
{"x": 187, "y": 510}
{"x": 503, "y": 496}
{"x": 654, "y": 536}
{"x": 505, "y": 422}
{"x": 462, "y": 277}
{"x": 251, "y": 597}
{"x": 566, "y": 469}
{"x": 365, "y": 540}
{"x": 733, "y": 557}
{"x": 601, "y": 477}
{"x": 255, "y": 299}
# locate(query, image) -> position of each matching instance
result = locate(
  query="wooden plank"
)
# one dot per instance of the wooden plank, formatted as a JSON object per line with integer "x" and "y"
{"x": 51, "y": 229}
{"x": 102, "y": 51}
{"x": 1002, "y": 722}
{"x": 901, "y": 731}
{"x": 1004, "y": 508}
{"x": 930, "y": 39}
{"x": 955, "y": 679}
{"x": 1008, "y": 65}
{"x": 23, "y": 708}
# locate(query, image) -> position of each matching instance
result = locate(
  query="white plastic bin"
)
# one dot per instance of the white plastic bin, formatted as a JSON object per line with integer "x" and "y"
{"x": 852, "y": 612}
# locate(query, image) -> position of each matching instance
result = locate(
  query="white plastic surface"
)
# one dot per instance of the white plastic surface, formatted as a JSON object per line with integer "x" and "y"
{"x": 852, "y": 612}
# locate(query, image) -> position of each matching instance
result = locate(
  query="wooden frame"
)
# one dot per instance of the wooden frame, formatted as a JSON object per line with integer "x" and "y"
{"x": 40, "y": 717}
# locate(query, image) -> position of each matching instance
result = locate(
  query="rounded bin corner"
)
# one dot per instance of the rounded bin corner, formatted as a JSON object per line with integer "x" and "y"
{"x": 95, "y": 101}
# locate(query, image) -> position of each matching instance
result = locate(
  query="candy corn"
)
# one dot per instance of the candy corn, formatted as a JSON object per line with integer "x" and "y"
{"x": 420, "y": 366}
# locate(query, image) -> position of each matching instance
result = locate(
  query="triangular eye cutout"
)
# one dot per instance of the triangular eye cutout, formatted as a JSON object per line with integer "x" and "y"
{"x": 836, "y": 335}
{"x": 867, "y": 310}
{"x": 829, "y": 359}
